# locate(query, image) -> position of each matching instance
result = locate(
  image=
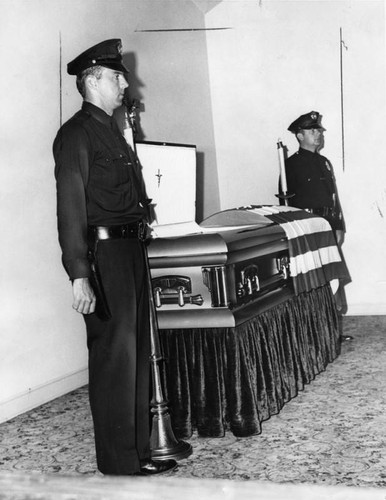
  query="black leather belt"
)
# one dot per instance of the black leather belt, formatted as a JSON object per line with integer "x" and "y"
{"x": 96, "y": 233}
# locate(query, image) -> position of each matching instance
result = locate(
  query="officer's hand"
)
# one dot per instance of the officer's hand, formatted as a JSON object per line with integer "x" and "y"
{"x": 339, "y": 235}
{"x": 84, "y": 296}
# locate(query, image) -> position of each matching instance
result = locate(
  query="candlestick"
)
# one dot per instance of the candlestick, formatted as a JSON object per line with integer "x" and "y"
{"x": 128, "y": 131}
{"x": 283, "y": 176}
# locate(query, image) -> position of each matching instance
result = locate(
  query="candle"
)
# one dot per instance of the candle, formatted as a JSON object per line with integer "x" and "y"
{"x": 283, "y": 177}
{"x": 128, "y": 131}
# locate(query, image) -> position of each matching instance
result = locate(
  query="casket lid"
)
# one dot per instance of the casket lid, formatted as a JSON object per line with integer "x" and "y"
{"x": 226, "y": 237}
{"x": 244, "y": 216}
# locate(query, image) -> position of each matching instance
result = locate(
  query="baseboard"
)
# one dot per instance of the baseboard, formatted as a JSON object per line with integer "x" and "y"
{"x": 367, "y": 309}
{"x": 39, "y": 395}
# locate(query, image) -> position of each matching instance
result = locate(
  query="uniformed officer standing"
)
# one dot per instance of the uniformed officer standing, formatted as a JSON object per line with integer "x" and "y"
{"x": 310, "y": 176}
{"x": 311, "y": 181}
{"x": 101, "y": 206}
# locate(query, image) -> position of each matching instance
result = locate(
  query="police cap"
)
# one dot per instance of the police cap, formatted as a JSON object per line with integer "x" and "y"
{"x": 107, "y": 54}
{"x": 304, "y": 122}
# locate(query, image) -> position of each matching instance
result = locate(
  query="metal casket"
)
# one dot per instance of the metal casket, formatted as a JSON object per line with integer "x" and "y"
{"x": 235, "y": 269}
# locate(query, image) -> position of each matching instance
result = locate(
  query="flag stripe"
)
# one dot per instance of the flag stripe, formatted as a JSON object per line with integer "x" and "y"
{"x": 315, "y": 258}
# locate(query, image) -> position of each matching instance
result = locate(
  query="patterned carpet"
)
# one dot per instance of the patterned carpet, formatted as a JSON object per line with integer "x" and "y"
{"x": 332, "y": 433}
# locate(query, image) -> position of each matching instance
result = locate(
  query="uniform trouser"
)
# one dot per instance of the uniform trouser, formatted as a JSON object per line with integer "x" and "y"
{"x": 119, "y": 351}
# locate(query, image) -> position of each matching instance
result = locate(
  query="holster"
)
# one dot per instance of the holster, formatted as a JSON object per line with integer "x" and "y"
{"x": 102, "y": 309}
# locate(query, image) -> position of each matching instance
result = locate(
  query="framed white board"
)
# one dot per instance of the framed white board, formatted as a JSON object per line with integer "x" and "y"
{"x": 169, "y": 171}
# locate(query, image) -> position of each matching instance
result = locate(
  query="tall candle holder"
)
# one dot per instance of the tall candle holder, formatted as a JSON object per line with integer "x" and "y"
{"x": 284, "y": 195}
{"x": 163, "y": 443}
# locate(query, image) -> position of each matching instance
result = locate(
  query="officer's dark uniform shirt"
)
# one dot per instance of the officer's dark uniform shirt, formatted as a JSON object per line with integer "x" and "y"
{"x": 99, "y": 182}
{"x": 310, "y": 179}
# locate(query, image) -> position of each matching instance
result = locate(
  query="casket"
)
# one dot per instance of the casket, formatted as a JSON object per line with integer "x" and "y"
{"x": 233, "y": 268}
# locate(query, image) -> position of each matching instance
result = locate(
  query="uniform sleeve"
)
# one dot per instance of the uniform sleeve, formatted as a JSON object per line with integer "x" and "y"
{"x": 138, "y": 173}
{"x": 339, "y": 218}
{"x": 292, "y": 182}
{"x": 71, "y": 154}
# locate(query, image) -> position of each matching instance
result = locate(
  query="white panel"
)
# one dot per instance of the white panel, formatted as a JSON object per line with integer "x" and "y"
{"x": 169, "y": 171}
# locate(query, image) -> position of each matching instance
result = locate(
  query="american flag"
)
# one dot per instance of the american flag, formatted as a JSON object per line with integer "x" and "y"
{"x": 315, "y": 258}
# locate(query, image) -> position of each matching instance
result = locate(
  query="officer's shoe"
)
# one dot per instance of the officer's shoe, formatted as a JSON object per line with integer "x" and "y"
{"x": 152, "y": 467}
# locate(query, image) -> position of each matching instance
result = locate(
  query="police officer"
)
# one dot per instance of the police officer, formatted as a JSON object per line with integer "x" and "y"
{"x": 311, "y": 182}
{"x": 310, "y": 176}
{"x": 101, "y": 206}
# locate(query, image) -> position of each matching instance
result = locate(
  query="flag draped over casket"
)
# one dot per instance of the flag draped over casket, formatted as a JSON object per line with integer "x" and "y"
{"x": 315, "y": 258}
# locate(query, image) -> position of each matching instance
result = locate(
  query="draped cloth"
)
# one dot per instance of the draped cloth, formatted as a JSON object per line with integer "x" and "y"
{"x": 219, "y": 379}
{"x": 315, "y": 258}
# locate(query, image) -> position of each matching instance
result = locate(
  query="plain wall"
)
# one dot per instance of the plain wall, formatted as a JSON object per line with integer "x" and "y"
{"x": 279, "y": 60}
{"x": 225, "y": 76}
{"x": 42, "y": 344}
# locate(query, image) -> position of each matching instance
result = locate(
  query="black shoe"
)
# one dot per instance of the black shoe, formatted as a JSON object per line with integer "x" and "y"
{"x": 346, "y": 338}
{"x": 152, "y": 467}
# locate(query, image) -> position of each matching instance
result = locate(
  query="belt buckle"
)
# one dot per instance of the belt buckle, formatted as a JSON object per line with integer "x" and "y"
{"x": 142, "y": 231}
{"x": 102, "y": 233}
